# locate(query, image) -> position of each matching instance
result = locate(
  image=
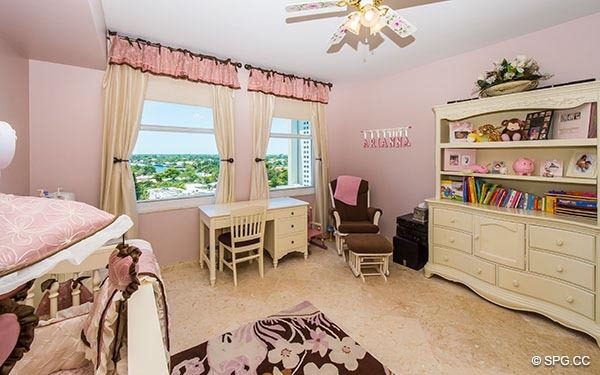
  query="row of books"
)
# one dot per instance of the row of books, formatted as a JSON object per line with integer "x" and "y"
{"x": 476, "y": 190}
{"x": 573, "y": 203}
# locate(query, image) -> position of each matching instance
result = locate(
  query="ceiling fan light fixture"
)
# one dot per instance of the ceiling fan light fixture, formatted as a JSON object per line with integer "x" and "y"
{"x": 353, "y": 23}
{"x": 381, "y": 23}
{"x": 369, "y": 15}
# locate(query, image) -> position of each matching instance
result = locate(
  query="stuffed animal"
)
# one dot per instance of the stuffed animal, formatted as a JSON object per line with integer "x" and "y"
{"x": 489, "y": 132}
{"x": 514, "y": 130}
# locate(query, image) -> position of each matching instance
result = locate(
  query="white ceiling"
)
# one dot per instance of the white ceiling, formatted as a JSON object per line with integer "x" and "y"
{"x": 256, "y": 31}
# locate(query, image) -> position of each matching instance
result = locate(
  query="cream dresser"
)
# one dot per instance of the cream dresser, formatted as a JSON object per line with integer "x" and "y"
{"x": 520, "y": 259}
{"x": 287, "y": 232}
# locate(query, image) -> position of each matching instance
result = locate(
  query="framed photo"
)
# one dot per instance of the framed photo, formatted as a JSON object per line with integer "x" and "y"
{"x": 459, "y": 159}
{"x": 551, "y": 168}
{"x": 539, "y": 124}
{"x": 583, "y": 164}
{"x": 459, "y": 131}
{"x": 574, "y": 123}
{"x": 499, "y": 167}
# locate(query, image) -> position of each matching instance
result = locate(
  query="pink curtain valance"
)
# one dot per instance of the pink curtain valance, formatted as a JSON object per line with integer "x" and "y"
{"x": 288, "y": 86}
{"x": 176, "y": 63}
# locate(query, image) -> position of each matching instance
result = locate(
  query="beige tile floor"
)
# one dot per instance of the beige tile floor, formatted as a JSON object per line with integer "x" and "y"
{"x": 410, "y": 323}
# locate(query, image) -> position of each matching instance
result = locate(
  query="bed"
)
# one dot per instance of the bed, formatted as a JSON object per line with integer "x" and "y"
{"x": 69, "y": 304}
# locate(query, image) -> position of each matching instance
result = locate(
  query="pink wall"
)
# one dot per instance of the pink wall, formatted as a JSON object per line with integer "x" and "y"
{"x": 14, "y": 104}
{"x": 402, "y": 178}
{"x": 66, "y": 134}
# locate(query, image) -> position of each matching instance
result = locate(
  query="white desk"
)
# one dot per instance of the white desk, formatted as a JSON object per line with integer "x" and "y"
{"x": 285, "y": 231}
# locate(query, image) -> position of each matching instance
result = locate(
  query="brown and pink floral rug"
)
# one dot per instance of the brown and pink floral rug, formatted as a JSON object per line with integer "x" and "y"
{"x": 300, "y": 340}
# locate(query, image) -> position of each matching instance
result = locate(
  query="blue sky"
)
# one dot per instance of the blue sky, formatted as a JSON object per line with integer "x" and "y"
{"x": 159, "y": 113}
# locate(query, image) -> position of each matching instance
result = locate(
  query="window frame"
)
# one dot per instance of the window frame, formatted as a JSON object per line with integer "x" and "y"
{"x": 156, "y": 205}
{"x": 295, "y": 190}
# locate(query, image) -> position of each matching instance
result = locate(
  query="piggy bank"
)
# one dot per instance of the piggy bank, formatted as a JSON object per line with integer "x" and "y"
{"x": 523, "y": 166}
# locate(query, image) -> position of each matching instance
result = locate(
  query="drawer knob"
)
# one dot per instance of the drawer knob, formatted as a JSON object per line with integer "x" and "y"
{"x": 569, "y": 299}
{"x": 559, "y": 269}
{"x": 292, "y": 225}
{"x": 452, "y": 240}
{"x": 452, "y": 221}
{"x": 559, "y": 242}
{"x": 445, "y": 258}
{"x": 516, "y": 283}
{"x": 476, "y": 237}
{"x": 479, "y": 271}
{"x": 292, "y": 213}
{"x": 292, "y": 242}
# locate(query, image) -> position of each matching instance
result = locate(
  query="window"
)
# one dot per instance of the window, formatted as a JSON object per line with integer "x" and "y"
{"x": 289, "y": 154}
{"x": 176, "y": 154}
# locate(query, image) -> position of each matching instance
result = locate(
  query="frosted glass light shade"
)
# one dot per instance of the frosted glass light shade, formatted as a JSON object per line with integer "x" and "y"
{"x": 353, "y": 23}
{"x": 8, "y": 144}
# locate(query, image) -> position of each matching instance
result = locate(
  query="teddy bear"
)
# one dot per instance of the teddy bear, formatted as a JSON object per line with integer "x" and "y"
{"x": 513, "y": 130}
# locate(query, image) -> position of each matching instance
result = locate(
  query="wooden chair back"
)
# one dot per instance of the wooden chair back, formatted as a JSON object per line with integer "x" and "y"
{"x": 248, "y": 224}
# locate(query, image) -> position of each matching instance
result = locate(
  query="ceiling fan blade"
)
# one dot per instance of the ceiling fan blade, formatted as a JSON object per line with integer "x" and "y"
{"x": 314, "y": 6}
{"x": 397, "y": 23}
{"x": 339, "y": 34}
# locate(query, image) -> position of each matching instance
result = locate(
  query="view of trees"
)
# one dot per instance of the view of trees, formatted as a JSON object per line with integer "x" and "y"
{"x": 154, "y": 171}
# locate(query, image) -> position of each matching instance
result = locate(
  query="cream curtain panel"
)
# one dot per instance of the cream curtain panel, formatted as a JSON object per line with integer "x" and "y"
{"x": 321, "y": 172}
{"x": 124, "y": 91}
{"x": 224, "y": 136}
{"x": 262, "y": 115}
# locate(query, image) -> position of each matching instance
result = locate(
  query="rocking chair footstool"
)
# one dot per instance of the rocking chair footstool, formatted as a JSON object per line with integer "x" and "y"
{"x": 372, "y": 251}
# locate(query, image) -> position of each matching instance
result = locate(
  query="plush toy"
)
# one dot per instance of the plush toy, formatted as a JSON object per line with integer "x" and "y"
{"x": 524, "y": 166}
{"x": 513, "y": 130}
{"x": 474, "y": 137}
{"x": 490, "y": 132}
{"x": 477, "y": 168}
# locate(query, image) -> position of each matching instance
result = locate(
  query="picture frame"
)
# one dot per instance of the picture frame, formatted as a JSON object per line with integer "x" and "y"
{"x": 459, "y": 159}
{"x": 575, "y": 123}
{"x": 551, "y": 168}
{"x": 539, "y": 124}
{"x": 583, "y": 165}
{"x": 499, "y": 167}
{"x": 459, "y": 131}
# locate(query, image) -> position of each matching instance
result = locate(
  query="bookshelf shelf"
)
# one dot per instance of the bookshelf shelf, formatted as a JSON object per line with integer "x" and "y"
{"x": 549, "y": 180}
{"x": 588, "y": 142}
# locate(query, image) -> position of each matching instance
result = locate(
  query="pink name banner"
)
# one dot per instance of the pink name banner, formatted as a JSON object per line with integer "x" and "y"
{"x": 386, "y": 138}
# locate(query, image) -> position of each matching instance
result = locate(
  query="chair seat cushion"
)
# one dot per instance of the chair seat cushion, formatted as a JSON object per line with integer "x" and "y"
{"x": 368, "y": 244}
{"x": 358, "y": 227}
{"x": 225, "y": 238}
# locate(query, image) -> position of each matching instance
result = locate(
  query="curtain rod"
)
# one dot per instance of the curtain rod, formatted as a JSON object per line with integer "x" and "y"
{"x": 172, "y": 49}
{"x": 250, "y": 67}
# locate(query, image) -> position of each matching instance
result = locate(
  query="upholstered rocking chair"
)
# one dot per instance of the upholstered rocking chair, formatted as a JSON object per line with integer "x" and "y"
{"x": 349, "y": 219}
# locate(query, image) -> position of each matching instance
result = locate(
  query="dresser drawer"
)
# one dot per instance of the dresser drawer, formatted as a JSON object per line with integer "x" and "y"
{"x": 290, "y": 212}
{"x": 291, "y": 225}
{"x": 563, "y": 268}
{"x": 466, "y": 263}
{"x": 451, "y": 238}
{"x": 453, "y": 219}
{"x": 555, "y": 292}
{"x": 572, "y": 243}
{"x": 293, "y": 241}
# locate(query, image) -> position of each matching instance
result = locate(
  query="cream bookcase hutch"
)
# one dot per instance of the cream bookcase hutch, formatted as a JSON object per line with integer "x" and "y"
{"x": 520, "y": 259}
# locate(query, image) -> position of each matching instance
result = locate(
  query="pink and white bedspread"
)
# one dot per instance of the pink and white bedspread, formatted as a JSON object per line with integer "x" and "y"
{"x": 38, "y": 233}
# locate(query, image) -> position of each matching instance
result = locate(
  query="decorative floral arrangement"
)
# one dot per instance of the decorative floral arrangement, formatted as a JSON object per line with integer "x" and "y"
{"x": 521, "y": 68}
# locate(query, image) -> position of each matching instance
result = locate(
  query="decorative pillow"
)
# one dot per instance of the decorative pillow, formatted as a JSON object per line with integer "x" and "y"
{"x": 17, "y": 323}
{"x": 104, "y": 331}
{"x": 57, "y": 345}
{"x": 34, "y": 229}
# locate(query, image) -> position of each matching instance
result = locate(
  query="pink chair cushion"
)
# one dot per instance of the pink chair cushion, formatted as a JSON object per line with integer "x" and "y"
{"x": 33, "y": 229}
{"x": 9, "y": 331}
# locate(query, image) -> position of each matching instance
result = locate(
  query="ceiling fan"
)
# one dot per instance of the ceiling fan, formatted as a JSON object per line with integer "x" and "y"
{"x": 368, "y": 13}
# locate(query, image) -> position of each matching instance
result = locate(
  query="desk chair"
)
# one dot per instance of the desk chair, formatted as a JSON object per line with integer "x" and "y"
{"x": 246, "y": 236}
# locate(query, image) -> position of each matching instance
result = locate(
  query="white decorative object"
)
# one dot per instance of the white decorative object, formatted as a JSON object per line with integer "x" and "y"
{"x": 8, "y": 143}
{"x": 528, "y": 260}
{"x": 583, "y": 164}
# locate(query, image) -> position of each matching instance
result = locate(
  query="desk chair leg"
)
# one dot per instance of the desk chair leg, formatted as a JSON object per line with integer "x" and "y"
{"x": 234, "y": 266}
{"x": 261, "y": 265}
{"x": 221, "y": 256}
{"x": 202, "y": 245}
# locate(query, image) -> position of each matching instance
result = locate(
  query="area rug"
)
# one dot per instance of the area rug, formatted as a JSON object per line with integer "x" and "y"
{"x": 301, "y": 340}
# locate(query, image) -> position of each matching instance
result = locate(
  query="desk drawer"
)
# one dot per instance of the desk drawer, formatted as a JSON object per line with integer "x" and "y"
{"x": 290, "y": 212}
{"x": 555, "y": 292}
{"x": 453, "y": 219}
{"x": 293, "y": 241}
{"x": 466, "y": 263}
{"x": 563, "y": 268}
{"x": 451, "y": 238}
{"x": 571, "y": 243}
{"x": 291, "y": 225}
